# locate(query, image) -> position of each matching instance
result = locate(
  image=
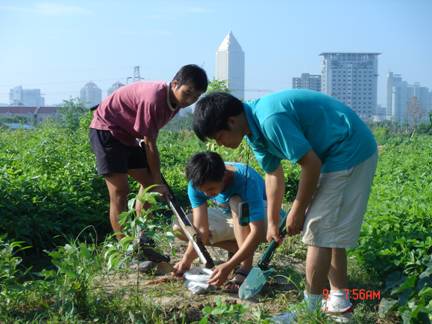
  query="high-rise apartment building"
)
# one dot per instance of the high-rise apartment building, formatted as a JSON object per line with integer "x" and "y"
{"x": 352, "y": 78}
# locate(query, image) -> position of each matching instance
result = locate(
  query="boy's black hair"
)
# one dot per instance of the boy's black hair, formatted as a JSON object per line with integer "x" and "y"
{"x": 205, "y": 167}
{"x": 212, "y": 112}
{"x": 194, "y": 74}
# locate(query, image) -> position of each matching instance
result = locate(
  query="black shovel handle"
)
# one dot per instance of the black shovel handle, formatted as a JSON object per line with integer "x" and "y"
{"x": 265, "y": 259}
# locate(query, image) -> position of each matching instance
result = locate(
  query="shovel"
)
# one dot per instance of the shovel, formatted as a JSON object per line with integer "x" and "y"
{"x": 258, "y": 275}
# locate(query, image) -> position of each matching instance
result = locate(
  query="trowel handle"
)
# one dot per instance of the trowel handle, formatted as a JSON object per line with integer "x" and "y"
{"x": 269, "y": 251}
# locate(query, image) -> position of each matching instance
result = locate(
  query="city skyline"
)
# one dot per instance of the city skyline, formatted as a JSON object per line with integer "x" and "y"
{"x": 43, "y": 45}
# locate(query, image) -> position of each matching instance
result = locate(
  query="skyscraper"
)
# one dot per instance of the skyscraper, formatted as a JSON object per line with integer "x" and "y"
{"x": 352, "y": 78}
{"x": 90, "y": 94}
{"x": 307, "y": 81}
{"x": 407, "y": 103}
{"x": 423, "y": 96}
{"x": 230, "y": 65}
{"x": 393, "y": 80}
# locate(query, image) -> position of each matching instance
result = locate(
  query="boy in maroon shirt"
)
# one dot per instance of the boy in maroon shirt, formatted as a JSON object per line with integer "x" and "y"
{"x": 138, "y": 111}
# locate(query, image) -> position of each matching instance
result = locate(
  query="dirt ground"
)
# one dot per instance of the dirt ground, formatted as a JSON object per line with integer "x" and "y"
{"x": 170, "y": 292}
{"x": 282, "y": 290}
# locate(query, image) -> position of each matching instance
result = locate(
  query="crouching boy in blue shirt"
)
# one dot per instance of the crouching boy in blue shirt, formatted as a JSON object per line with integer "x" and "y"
{"x": 226, "y": 185}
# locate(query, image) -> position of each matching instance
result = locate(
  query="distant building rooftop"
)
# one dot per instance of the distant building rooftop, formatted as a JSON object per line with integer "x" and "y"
{"x": 27, "y": 110}
{"x": 361, "y": 53}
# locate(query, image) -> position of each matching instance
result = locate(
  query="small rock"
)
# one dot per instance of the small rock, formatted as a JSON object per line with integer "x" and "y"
{"x": 163, "y": 268}
{"x": 144, "y": 266}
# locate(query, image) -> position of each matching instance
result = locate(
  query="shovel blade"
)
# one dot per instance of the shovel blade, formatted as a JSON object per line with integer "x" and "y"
{"x": 254, "y": 282}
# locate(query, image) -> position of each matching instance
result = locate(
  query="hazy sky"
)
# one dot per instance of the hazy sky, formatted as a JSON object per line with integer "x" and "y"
{"x": 58, "y": 46}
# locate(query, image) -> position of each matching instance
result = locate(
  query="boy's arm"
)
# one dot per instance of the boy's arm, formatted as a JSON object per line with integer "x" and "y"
{"x": 153, "y": 159}
{"x": 311, "y": 166}
{"x": 201, "y": 223}
{"x": 275, "y": 188}
{"x": 249, "y": 245}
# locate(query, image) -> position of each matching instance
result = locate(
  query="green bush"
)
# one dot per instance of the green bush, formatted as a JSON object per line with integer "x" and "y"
{"x": 396, "y": 237}
{"x": 49, "y": 189}
{"x": 48, "y": 186}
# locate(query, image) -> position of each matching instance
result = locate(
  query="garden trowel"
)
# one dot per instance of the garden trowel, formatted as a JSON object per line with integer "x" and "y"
{"x": 258, "y": 276}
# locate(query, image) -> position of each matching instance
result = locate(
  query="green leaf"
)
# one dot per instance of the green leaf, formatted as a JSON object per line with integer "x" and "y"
{"x": 131, "y": 203}
{"x": 207, "y": 310}
{"x": 405, "y": 296}
{"x": 394, "y": 279}
{"x": 386, "y": 305}
{"x": 203, "y": 320}
{"x": 407, "y": 284}
{"x": 425, "y": 279}
{"x": 426, "y": 293}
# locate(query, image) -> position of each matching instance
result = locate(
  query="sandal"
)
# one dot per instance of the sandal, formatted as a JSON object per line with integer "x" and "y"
{"x": 232, "y": 286}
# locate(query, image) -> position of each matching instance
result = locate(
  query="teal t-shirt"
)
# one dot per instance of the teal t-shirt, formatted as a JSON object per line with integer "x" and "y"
{"x": 252, "y": 191}
{"x": 288, "y": 124}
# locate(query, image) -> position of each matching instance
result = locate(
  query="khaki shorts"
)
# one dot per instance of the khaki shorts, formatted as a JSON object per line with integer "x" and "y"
{"x": 221, "y": 227}
{"x": 336, "y": 212}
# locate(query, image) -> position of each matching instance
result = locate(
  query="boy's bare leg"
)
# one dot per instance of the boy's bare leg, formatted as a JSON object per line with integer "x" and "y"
{"x": 144, "y": 178}
{"x": 317, "y": 268}
{"x": 230, "y": 246}
{"x": 118, "y": 189}
{"x": 338, "y": 270}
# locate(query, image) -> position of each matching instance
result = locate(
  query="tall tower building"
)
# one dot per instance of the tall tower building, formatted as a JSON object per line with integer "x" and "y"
{"x": 352, "y": 78}
{"x": 307, "y": 81}
{"x": 230, "y": 65}
{"x": 399, "y": 101}
{"x": 392, "y": 81}
{"x": 90, "y": 94}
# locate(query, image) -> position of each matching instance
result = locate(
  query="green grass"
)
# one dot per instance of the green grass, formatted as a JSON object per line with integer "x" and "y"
{"x": 49, "y": 192}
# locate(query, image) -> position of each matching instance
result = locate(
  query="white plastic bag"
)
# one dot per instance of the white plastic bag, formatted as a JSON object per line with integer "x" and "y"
{"x": 197, "y": 280}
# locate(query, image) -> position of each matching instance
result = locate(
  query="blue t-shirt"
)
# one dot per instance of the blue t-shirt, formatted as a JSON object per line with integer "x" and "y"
{"x": 287, "y": 124}
{"x": 253, "y": 192}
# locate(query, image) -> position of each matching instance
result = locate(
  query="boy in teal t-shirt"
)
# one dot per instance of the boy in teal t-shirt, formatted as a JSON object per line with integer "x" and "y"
{"x": 337, "y": 155}
{"x": 226, "y": 185}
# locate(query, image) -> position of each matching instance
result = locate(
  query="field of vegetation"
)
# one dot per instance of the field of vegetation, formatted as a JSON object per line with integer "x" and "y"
{"x": 59, "y": 262}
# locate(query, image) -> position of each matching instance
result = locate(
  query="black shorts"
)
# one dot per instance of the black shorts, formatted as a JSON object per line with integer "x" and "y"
{"x": 112, "y": 156}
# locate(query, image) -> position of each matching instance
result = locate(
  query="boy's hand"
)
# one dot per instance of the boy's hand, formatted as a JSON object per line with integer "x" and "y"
{"x": 162, "y": 190}
{"x": 220, "y": 274}
{"x": 294, "y": 222}
{"x": 181, "y": 267}
{"x": 273, "y": 233}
